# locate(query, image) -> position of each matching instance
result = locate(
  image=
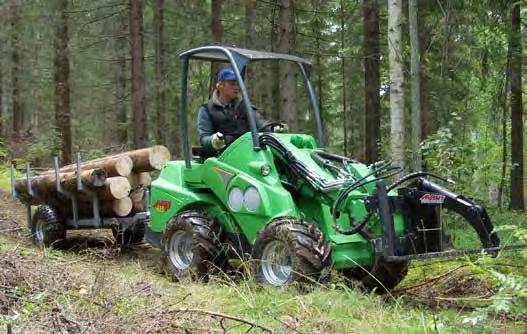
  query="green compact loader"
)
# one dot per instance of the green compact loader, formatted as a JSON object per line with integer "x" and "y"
{"x": 295, "y": 210}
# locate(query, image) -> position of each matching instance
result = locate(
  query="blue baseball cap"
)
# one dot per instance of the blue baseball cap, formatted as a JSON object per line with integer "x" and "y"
{"x": 226, "y": 74}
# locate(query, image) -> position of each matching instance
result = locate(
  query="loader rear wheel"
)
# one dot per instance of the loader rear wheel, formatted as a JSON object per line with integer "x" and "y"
{"x": 192, "y": 246}
{"x": 383, "y": 276}
{"x": 47, "y": 227}
{"x": 290, "y": 250}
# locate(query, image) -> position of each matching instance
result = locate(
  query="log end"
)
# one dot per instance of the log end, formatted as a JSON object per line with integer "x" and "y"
{"x": 159, "y": 156}
{"x": 124, "y": 165}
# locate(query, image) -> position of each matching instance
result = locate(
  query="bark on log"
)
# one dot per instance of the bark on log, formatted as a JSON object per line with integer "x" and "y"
{"x": 91, "y": 178}
{"x": 139, "y": 182}
{"x": 137, "y": 199}
{"x": 38, "y": 183}
{"x": 116, "y": 187}
{"x": 115, "y": 165}
{"x": 45, "y": 185}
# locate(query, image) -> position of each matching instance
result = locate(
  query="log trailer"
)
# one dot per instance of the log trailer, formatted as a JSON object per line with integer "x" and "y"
{"x": 107, "y": 193}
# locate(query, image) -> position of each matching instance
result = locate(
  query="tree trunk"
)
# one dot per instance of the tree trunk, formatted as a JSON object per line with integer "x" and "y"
{"x": 372, "y": 60}
{"x": 216, "y": 28}
{"x": 138, "y": 75}
{"x": 416, "y": 87}
{"x": 286, "y": 38}
{"x": 517, "y": 195}
{"x": 249, "y": 42}
{"x": 250, "y": 24}
{"x": 343, "y": 77}
{"x": 504, "y": 155}
{"x": 274, "y": 85}
{"x": 15, "y": 69}
{"x": 424, "y": 40}
{"x": 122, "y": 49}
{"x": 160, "y": 64}
{"x": 62, "y": 85}
{"x": 396, "y": 82}
{"x": 1, "y": 102}
{"x": 445, "y": 59}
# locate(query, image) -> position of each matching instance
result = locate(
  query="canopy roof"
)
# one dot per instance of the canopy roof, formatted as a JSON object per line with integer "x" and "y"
{"x": 241, "y": 56}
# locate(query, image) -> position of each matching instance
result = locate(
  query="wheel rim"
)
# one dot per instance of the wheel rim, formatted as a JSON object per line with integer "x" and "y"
{"x": 276, "y": 263}
{"x": 180, "y": 249}
{"x": 39, "y": 230}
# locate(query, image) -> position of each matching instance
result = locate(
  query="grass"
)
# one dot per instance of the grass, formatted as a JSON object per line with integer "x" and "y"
{"x": 127, "y": 293}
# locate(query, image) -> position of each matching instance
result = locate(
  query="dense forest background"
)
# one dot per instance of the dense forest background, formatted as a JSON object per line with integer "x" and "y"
{"x": 102, "y": 76}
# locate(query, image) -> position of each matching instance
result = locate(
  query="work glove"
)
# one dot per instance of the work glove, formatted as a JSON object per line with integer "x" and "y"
{"x": 218, "y": 141}
{"x": 280, "y": 128}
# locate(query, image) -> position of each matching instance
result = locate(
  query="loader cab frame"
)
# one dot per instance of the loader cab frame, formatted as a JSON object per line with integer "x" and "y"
{"x": 238, "y": 59}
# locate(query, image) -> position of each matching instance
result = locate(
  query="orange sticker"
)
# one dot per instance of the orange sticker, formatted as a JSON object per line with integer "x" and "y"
{"x": 162, "y": 206}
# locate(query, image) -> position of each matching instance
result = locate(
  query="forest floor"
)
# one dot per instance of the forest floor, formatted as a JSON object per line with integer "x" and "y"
{"x": 90, "y": 285}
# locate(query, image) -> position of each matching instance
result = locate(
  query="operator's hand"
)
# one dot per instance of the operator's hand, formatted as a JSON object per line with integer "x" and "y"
{"x": 218, "y": 141}
{"x": 280, "y": 128}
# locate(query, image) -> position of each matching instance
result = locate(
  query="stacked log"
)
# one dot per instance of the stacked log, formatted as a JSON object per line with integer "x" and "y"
{"x": 119, "y": 181}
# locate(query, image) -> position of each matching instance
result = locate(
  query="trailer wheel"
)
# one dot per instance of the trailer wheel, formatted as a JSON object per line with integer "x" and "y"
{"x": 132, "y": 235}
{"x": 290, "y": 250}
{"x": 192, "y": 246}
{"x": 47, "y": 227}
{"x": 383, "y": 276}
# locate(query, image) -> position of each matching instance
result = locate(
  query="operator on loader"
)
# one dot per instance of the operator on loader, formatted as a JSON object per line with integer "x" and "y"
{"x": 222, "y": 119}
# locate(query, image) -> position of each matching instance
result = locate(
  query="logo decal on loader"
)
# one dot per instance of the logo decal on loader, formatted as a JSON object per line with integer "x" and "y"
{"x": 432, "y": 199}
{"x": 162, "y": 206}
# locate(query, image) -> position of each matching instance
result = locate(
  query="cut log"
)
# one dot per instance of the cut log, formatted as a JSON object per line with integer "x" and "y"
{"x": 149, "y": 159}
{"x": 39, "y": 184}
{"x": 139, "y": 179}
{"x": 115, "y": 165}
{"x": 91, "y": 178}
{"x": 45, "y": 185}
{"x": 116, "y": 187}
{"x": 118, "y": 207}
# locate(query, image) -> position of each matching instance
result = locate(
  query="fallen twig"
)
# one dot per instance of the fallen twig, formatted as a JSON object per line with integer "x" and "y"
{"x": 11, "y": 229}
{"x": 223, "y": 315}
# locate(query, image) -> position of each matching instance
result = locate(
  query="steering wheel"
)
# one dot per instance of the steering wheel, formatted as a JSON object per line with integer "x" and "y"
{"x": 271, "y": 125}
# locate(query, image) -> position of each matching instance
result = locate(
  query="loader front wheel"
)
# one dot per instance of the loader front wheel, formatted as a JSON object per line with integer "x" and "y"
{"x": 289, "y": 250}
{"x": 47, "y": 227}
{"x": 382, "y": 277}
{"x": 192, "y": 246}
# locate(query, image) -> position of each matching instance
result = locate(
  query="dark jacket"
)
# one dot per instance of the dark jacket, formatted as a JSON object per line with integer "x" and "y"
{"x": 230, "y": 120}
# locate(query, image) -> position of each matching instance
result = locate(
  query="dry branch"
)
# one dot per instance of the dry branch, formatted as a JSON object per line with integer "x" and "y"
{"x": 223, "y": 316}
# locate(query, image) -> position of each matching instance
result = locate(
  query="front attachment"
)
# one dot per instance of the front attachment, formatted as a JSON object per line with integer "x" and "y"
{"x": 420, "y": 204}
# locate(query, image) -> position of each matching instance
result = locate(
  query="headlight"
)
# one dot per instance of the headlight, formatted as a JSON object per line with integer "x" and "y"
{"x": 251, "y": 199}
{"x": 236, "y": 198}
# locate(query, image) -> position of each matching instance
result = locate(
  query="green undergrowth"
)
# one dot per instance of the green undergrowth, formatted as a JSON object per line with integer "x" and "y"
{"x": 115, "y": 290}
